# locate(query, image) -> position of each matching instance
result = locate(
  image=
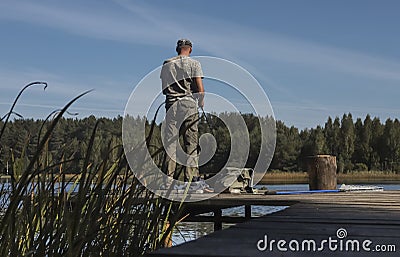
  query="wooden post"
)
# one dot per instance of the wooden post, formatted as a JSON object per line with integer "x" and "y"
{"x": 247, "y": 211}
{"x": 322, "y": 172}
{"x": 217, "y": 219}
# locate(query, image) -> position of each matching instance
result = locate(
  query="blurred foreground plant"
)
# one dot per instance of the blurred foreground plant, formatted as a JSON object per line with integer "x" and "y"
{"x": 101, "y": 211}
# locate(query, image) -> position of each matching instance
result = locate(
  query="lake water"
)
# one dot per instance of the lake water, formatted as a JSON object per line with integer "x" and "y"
{"x": 304, "y": 187}
{"x": 188, "y": 231}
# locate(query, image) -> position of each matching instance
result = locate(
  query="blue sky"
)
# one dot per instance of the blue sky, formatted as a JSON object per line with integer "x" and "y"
{"x": 314, "y": 59}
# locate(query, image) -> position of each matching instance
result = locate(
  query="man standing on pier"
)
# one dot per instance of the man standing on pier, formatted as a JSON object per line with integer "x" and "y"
{"x": 182, "y": 86}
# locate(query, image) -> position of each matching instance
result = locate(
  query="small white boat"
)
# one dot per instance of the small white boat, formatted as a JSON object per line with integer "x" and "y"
{"x": 359, "y": 188}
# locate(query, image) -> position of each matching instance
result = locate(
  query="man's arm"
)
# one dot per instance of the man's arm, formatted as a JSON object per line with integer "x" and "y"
{"x": 200, "y": 90}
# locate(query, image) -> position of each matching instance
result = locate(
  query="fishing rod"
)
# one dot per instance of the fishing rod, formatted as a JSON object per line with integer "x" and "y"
{"x": 207, "y": 120}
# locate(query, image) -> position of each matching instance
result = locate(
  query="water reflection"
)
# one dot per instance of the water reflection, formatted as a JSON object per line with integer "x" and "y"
{"x": 188, "y": 231}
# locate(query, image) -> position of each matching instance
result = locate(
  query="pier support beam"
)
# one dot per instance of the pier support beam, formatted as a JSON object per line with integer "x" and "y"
{"x": 217, "y": 219}
{"x": 247, "y": 212}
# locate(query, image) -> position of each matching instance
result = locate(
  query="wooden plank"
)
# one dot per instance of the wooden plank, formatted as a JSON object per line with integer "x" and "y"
{"x": 223, "y": 219}
{"x": 332, "y": 220}
{"x": 375, "y": 217}
{"x": 235, "y": 247}
{"x": 362, "y": 198}
{"x": 243, "y": 243}
{"x": 303, "y": 229}
{"x": 338, "y": 211}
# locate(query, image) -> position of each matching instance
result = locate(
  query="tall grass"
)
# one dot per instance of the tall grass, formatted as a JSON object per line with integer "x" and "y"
{"x": 101, "y": 211}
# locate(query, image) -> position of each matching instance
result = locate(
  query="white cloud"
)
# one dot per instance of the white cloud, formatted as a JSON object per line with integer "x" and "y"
{"x": 104, "y": 100}
{"x": 239, "y": 43}
{"x": 142, "y": 23}
{"x": 103, "y": 24}
{"x": 147, "y": 24}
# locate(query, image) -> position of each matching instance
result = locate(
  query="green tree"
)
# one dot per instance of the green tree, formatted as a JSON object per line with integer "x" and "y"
{"x": 347, "y": 137}
{"x": 316, "y": 143}
{"x": 362, "y": 146}
{"x": 358, "y": 149}
{"x": 377, "y": 156}
{"x": 287, "y": 150}
{"x": 391, "y": 144}
{"x": 332, "y": 136}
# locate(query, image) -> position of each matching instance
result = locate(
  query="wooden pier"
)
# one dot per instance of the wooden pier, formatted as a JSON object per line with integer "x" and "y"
{"x": 350, "y": 218}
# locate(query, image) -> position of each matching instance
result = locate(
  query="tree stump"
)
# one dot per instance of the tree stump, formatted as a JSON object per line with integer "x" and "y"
{"x": 322, "y": 172}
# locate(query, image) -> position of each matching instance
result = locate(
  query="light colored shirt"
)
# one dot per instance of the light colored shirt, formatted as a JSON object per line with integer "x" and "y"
{"x": 177, "y": 76}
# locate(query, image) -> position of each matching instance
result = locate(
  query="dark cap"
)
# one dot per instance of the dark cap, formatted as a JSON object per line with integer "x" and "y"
{"x": 183, "y": 42}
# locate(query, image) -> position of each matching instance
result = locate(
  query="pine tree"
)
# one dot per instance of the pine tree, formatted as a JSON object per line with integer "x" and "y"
{"x": 332, "y": 135}
{"x": 391, "y": 143}
{"x": 358, "y": 155}
{"x": 377, "y": 156}
{"x": 288, "y": 145}
{"x": 347, "y": 137}
{"x": 319, "y": 142}
{"x": 366, "y": 141}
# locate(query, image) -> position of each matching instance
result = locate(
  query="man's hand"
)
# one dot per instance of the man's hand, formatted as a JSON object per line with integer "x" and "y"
{"x": 201, "y": 102}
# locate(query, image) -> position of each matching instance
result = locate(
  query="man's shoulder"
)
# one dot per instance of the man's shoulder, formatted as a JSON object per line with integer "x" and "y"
{"x": 178, "y": 58}
{"x": 172, "y": 59}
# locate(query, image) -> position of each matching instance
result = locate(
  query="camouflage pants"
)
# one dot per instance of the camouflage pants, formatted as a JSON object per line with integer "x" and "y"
{"x": 181, "y": 119}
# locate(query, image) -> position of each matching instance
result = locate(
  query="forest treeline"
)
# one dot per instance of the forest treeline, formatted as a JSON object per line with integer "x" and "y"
{"x": 361, "y": 144}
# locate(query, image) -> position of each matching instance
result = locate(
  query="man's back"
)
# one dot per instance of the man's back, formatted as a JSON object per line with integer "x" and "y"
{"x": 177, "y": 75}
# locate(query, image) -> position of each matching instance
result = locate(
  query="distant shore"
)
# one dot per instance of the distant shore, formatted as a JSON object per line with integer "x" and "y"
{"x": 280, "y": 177}
{"x": 365, "y": 177}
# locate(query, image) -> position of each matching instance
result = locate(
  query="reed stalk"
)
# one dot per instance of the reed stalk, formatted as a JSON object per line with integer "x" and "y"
{"x": 103, "y": 210}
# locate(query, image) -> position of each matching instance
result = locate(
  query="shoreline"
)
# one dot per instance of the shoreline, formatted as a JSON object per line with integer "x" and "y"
{"x": 361, "y": 177}
{"x": 280, "y": 177}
